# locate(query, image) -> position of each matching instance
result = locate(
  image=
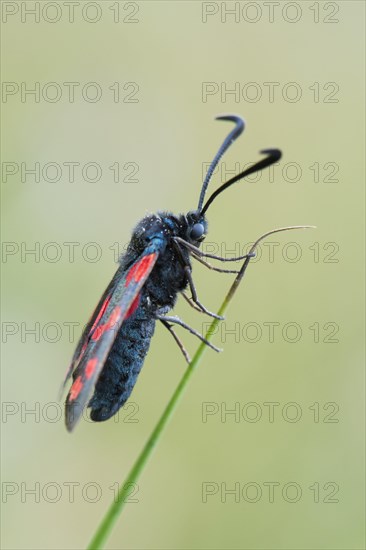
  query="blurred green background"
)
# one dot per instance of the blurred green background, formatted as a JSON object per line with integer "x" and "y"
{"x": 292, "y": 455}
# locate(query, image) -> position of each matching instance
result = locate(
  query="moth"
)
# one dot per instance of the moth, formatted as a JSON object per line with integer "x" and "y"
{"x": 154, "y": 271}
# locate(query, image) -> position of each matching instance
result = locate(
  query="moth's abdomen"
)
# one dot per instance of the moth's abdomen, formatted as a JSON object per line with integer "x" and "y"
{"x": 123, "y": 365}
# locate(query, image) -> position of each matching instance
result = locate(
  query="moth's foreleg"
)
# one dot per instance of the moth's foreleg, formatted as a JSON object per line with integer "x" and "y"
{"x": 209, "y": 266}
{"x": 201, "y": 254}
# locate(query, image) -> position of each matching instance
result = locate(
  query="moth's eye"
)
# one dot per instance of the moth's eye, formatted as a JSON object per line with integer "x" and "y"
{"x": 197, "y": 232}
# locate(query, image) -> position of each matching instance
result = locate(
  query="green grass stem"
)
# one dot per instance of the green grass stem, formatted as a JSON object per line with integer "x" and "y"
{"x": 117, "y": 505}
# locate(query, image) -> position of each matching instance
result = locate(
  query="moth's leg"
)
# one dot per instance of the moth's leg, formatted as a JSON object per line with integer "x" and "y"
{"x": 199, "y": 259}
{"x": 176, "y": 338}
{"x": 195, "y": 298}
{"x": 191, "y": 302}
{"x": 187, "y": 269}
{"x": 192, "y": 287}
{"x": 199, "y": 252}
{"x": 181, "y": 323}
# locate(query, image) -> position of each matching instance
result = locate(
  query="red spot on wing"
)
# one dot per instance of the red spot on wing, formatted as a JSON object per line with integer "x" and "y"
{"x": 115, "y": 315}
{"x": 75, "y": 388}
{"x": 90, "y": 367}
{"x": 97, "y": 319}
{"x": 133, "y": 306}
{"x": 138, "y": 270}
{"x": 98, "y": 333}
{"x": 102, "y": 310}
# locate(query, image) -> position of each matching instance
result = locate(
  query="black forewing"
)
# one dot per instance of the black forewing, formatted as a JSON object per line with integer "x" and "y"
{"x": 100, "y": 332}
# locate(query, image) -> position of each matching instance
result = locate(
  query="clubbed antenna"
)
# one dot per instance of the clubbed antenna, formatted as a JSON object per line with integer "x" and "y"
{"x": 234, "y": 134}
{"x": 273, "y": 155}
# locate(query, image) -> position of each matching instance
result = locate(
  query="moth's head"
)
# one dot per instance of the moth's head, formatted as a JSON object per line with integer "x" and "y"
{"x": 196, "y": 230}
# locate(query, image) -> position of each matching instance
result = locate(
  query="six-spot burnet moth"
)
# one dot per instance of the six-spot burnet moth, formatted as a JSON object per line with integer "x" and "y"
{"x": 154, "y": 269}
